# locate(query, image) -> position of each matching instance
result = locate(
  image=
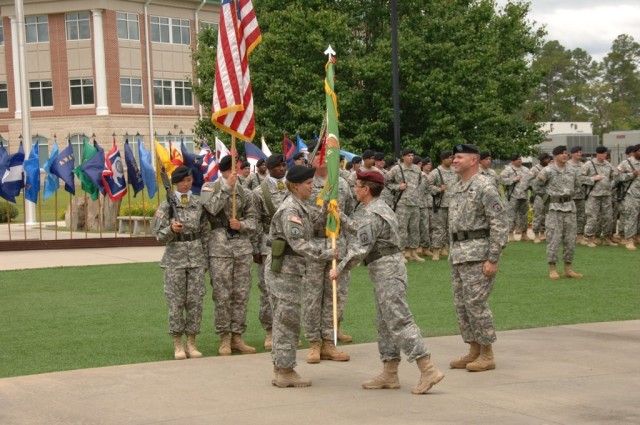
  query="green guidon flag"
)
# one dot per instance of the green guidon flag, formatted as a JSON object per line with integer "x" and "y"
{"x": 88, "y": 151}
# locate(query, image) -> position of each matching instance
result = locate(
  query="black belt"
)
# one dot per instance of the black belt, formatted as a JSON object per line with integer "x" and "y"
{"x": 379, "y": 253}
{"x": 187, "y": 237}
{"x": 322, "y": 234}
{"x": 560, "y": 199}
{"x": 289, "y": 251}
{"x": 467, "y": 235}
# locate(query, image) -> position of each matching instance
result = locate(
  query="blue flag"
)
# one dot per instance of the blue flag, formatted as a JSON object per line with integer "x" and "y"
{"x": 4, "y": 159}
{"x": 63, "y": 166}
{"x": 193, "y": 161}
{"x": 148, "y": 173}
{"x": 51, "y": 183}
{"x": 134, "y": 176}
{"x": 113, "y": 179}
{"x": 253, "y": 154}
{"x": 13, "y": 178}
{"x": 93, "y": 168}
{"x": 32, "y": 172}
{"x": 301, "y": 146}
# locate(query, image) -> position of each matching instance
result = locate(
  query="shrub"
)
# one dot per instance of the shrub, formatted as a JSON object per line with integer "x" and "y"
{"x": 12, "y": 212}
{"x": 137, "y": 210}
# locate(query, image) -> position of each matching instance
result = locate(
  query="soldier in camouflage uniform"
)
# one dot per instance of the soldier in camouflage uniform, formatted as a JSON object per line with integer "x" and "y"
{"x": 256, "y": 178}
{"x": 600, "y": 179}
{"x": 515, "y": 179}
{"x": 317, "y": 311}
{"x": 575, "y": 163}
{"x": 184, "y": 262}
{"x": 245, "y": 171}
{"x": 292, "y": 244}
{"x": 406, "y": 178}
{"x": 560, "y": 183}
{"x": 478, "y": 227}
{"x": 377, "y": 230}
{"x": 230, "y": 255}
{"x": 485, "y": 167}
{"x": 628, "y": 174}
{"x": 426, "y": 204}
{"x": 539, "y": 212}
{"x": 440, "y": 182}
{"x": 268, "y": 197}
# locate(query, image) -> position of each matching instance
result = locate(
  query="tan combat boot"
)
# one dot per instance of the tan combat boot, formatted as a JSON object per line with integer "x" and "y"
{"x": 462, "y": 362}
{"x": 553, "y": 272}
{"x": 328, "y": 351}
{"x": 616, "y": 239}
{"x": 268, "y": 340}
{"x": 178, "y": 349}
{"x": 525, "y": 237}
{"x": 512, "y": 237}
{"x": 636, "y": 238}
{"x": 536, "y": 239}
{"x": 429, "y": 375}
{"x": 192, "y": 351}
{"x": 436, "y": 254}
{"x": 629, "y": 244}
{"x": 313, "y": 356}
{"x": 387, "y": 380}
{"x": 591, "y": 241}
{"x": 484, "y": 361}
{"x": 343, "y": 337}
{"x": 444, "y": 251}
{"x": 568, "y": 272}
{"x": 608, "y": 241}
{"x": 406, "y": 255}
{"x": 288, "y": 377}
{"x": 225, "y": 344}
{"x": 413, "y": 255}
{"x": 275, "y": 374}
{"x": 427, "y": 252}
{"x": 237, "y": 344}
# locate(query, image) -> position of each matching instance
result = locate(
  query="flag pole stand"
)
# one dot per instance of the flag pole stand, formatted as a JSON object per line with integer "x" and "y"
{"x": 334, "y": 290}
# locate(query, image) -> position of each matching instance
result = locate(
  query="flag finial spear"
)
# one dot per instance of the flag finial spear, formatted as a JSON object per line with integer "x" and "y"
{"x": 330, "y": 52}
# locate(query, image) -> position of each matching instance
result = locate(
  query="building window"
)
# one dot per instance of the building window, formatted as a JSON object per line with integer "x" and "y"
{"x": 37, "y": 29}
{"x": 131, "y": 91}
{"x": 1, "y": 32}
{"x": 43, "y": 148}
{"x": 81, "y": 91}
{"x": 4, "y": 96}
{"x": 128, "y": 26}
{"x": 41, "y": 94}
{"x": 170, "y": 30}
{"x": 172, "y": 93}
{"x": 78, "y": 26}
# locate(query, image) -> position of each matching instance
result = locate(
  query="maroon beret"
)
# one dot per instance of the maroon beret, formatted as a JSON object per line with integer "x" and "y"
{"x": 370, "y": 176}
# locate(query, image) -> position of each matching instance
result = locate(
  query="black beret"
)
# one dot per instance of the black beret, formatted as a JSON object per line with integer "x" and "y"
{"x": 558, "y": 150}
{"x": 356, "y": 160}
{"x": 389, "y": 163}
{"x": 180, "y": 173}
{"x": 485, "y": 154}
{"x": 601, "y": 149}
{"x": 379, "y": 156}
{"x": 636, "y": 148}
{"x": 417, "y": 159}
{"x": 576, "y": 149}
{"x": 368, "y": 154}
{"x": 225, "y": 163}
{"x": 298, "y": 155}
{"x": 341, "y": 157}
{"x": 445, "y": 154}
{"x": 426, "y": 160}
{"x": 629, "y": 149}
{"x": 543, "y": 156}
{"x": 275, "y": 160}
{"x": 370, "y": 176}
{"x": 300, "y": 173}
{"x": 407, "y": 151}
{"x": 515, "y": 157}
{"x": 260, "y": 162}
{"x": 466, "y": 148}
{"x": 245, "y": 164}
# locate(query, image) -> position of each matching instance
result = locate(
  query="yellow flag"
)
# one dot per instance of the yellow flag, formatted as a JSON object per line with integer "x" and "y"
{"x": 163, "y": 159}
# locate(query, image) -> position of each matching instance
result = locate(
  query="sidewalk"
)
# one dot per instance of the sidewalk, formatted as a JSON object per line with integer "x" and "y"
{"x": 578, "y": 374}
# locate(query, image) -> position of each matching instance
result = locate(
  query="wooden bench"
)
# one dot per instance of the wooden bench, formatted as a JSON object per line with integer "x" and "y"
{"x": 140, "y": 224}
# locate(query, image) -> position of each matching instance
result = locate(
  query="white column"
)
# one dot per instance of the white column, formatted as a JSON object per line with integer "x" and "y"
{"x": 16, "y": 67}
{"x": 101, "y": 65}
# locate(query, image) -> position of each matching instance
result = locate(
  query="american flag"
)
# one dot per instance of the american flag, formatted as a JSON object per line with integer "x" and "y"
{"x": 238, "y": 35}
{"x": 209, "y": 163}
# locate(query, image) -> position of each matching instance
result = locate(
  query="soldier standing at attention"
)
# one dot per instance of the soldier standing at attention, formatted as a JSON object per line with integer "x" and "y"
{"x": 560, "y": 183}
{"x": 256, "y": 178}
{"x": 575, "y": 164}
{"x": 426, "y": 203}
{"x": 268, "y": 196}
{"x": 245, "y": 171}
{"x": 440, "y": 182}
{"x": 184, "y": 262}
{"x": 292, "y": 244}
{"x": 377, "y": 230}
{"x": 406, "y": 178}
{"x": 230, "y": 254}
{"x": 515, "y": 179}
{"x": 539, "y": 213}
{"x": 628, "y": 175}
{"x": 478, "y": 226}
{"x": 485, "y": 167}
{"x": 600, "y": 176}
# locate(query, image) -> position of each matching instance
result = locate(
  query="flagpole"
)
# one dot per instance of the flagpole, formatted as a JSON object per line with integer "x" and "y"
{"x": 86, "y": 216}
{"x": 39, "y": 211}
{"x": 24, "y": 208}
{"x": 233, "y": 171}
{"x": 55, "y": 213}
{"x": 143, "y": 214}
{"x": 70, "y": 217}
{"x": 129, "y": 209}
{"x": 334, "y": 290}
{"x": 8, "y": 219}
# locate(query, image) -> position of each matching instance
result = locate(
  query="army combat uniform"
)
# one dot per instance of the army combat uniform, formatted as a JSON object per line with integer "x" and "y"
{"x": 598, "y": 206}
{"x": 408, "y": 207}
{"x": 440, "y": 224}
{"x": 539, "y": 212}
{"x": 516, "y": 199}
{"x": 629, "y": 170}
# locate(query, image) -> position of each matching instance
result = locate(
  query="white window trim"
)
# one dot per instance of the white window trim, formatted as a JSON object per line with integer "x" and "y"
{"x": 171, "y": 41}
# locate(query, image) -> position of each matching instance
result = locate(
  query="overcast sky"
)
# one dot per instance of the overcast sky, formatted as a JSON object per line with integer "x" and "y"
{"x": 591, "y": 25}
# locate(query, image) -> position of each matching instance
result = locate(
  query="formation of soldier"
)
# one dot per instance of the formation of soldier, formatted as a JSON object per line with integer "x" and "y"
{"x": 462, "y": 209}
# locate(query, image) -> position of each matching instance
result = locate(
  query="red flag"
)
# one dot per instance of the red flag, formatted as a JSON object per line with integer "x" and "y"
{"x": 238, "y": 35}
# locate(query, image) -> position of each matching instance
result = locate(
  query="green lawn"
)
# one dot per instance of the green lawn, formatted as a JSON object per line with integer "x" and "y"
{"x": 79, "y": 317}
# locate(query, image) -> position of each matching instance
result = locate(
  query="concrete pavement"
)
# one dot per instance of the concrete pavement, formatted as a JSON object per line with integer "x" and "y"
{"x": 577, "y": 374}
